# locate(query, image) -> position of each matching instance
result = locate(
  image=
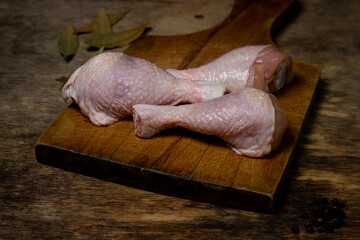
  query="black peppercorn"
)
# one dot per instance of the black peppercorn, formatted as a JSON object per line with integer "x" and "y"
{"x": 313, "y": 220}
{"x": 305, "y": 216}
{"x": 295, "y": 229}
{"x": 335, "y": 202}
{"x": 316, "y": 202}
{"x": 329, "y": 229}
{"x": 340, "y": 222}
{"x": 320, "y": 221}
{"x": 324, "y": 201}
{"x": 335, "y": 211}
{"x": 308, "y": 225}
{"x": 310, "y": 229}
{"x": 321, "y": 229}
{"x": 341, "y": 203}
{"x": 317, "y": 211}
{"x": 325, "y": 216}
{"x": 342, "y": 214}
{"x": 334, "y": 223}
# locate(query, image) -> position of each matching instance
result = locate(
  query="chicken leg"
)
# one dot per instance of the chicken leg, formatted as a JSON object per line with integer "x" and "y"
{"x": 259, "y": 66}
{"x": 250, "y": 121}
{"x": 108, "y": 85}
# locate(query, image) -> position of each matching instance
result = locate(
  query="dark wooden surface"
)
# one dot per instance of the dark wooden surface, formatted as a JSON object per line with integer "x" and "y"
{"x": 41, "y": 202}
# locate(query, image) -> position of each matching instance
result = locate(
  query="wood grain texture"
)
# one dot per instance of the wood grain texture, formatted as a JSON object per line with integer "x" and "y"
{"x": 43, "y": 202}
{"x": 179, "y": 162}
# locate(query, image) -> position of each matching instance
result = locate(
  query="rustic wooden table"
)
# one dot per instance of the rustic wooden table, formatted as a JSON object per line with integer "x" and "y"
{"x": 42, "y": 202}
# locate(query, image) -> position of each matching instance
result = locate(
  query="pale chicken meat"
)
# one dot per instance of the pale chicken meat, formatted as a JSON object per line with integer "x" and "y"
{"x": 259, "y": 66}
{"x": 108, "y": 85}
{"x": 250, "y": 121}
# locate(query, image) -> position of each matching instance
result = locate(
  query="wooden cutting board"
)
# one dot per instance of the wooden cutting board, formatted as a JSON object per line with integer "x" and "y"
{"x": 179, "y": 162}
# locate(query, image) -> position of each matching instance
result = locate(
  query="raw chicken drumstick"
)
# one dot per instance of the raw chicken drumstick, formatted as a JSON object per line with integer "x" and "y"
{"x": 259, "y": 66}
{"x": 108, "y": 85}
{"x": 250, "y": 121}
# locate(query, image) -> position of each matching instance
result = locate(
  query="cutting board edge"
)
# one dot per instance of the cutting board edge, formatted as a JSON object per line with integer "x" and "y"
{"x": 152, "y": 180}
{"x": 277, "y": 190}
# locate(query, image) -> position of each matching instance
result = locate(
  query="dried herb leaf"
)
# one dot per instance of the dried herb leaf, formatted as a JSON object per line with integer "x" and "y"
{"x": 101, "y": 50}
{"x": 113, "y": 18}
{"x": 87, "y": 28}
{"x": 62, "y": 79}
{"x": 68, "y": 43}
{"x": 102, "y": 24}
{"x": 119, "y": 39}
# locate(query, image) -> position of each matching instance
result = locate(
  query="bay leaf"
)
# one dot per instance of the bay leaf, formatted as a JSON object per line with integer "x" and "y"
{"x": 86, "y": 28}
{"x": 119, "y": 39}
{"x": 68, "y": 43}
{"x": 101, "y": 24}
{"x": 100, "y": 51}
{"x": 62, "y": 79}
{"x": 113, "y": 18}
